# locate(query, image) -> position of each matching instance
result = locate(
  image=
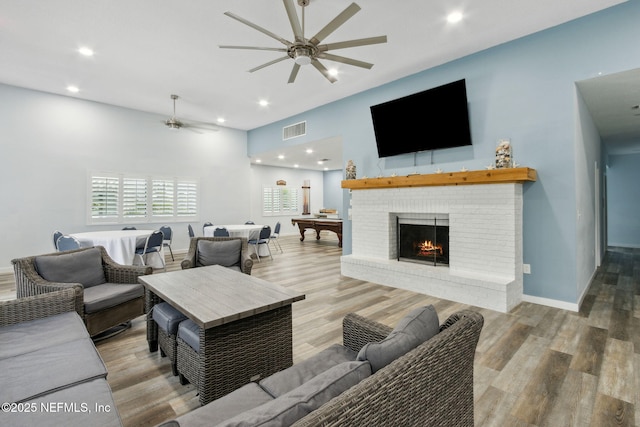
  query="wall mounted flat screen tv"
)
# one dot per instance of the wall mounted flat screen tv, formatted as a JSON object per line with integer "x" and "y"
{"x": 429, "y": 120}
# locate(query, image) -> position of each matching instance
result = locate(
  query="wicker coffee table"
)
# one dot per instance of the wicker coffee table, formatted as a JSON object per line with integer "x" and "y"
{"x": 245, "y": 326}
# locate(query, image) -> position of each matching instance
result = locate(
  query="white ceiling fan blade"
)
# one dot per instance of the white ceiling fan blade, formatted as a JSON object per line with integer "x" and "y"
{"x": 259, "y": 28}
{"x": 352, "y": 43}
{"x": 275, "y": 61}
{"x": 348, "y": 61}
{"x": 294, "y": 73}
{"x": 351, "y": 10}
{"x": 323, "y": 70}
{"x": 275, "y": 49}
{"x": 293, "y": 19}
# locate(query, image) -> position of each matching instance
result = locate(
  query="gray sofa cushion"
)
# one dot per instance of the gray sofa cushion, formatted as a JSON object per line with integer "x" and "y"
{"x": 81, "y": 409}
{"x": 189, "y": 332}
{"x": 83, "y": 267}
{"x": 167, "y": 317}
{"x": 299, "y": 402}
{"x": 43, "y": 371}
{"x": 42, "y": 333}
{"x": 97, "y": 298}
{"x": 414, "y": 329}
{"x": 222, "y": 252}
{"x": 237, "y": 402}
{"x": 286, "y": 380}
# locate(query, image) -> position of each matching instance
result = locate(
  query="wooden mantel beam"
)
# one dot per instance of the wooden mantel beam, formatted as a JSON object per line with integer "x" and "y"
{"x": 491, "y": 176}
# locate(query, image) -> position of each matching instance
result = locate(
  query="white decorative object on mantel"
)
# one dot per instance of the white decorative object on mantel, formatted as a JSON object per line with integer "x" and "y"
{"x": 464, "y": 169}
{"x": 504, "y": 155}
{"x": 439, "y": 170}
{"x": 490, "y": 167}
{"x": 350, "y": 170}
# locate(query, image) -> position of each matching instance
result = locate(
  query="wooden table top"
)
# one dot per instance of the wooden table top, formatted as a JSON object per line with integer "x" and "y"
{"x": 215, "y": 295}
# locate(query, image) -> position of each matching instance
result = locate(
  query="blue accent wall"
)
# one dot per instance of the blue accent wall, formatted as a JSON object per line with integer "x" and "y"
{"x": 523, "y": 90}
{"x": 623, "y": 200}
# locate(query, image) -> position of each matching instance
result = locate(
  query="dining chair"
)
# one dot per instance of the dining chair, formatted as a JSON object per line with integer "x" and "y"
{"x": 263, "y": 239}
{"x": 191, "y": 233}
{"x": 206, "y": 224}
{"x": 56, "y": 235}
{"x": 168, "y": 238}
{"x": 274, "y": 236}
{"x": 67, "y": 243}
{"x": 153, "y": 244}
{"x": 129, "y": 228}
{"x": 221, "y": 232}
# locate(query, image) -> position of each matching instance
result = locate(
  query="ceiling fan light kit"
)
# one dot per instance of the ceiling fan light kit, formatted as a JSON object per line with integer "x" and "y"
{"x": 305, "y": 51}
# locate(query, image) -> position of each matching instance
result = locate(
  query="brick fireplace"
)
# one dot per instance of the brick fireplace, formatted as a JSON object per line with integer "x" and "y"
{"x": 484, "y": 235}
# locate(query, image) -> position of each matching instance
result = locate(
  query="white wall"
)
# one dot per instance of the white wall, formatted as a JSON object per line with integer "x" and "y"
{"x": 49, "y": 144}
{"x": 268, "y": 175}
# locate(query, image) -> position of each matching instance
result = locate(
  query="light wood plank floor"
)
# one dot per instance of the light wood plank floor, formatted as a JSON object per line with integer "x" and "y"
{"x": 535, "y": 366}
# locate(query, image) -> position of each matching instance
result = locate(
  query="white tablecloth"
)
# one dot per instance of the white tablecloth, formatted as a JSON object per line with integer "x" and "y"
{"x": 120, "y": 244}
{"x": 248, "y": 231}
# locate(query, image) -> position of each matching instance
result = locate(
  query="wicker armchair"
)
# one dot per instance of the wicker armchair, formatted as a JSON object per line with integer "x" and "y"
{"x": 431, "y": 385}
{"x": 29, "y": 283}
{"x": 191, "y": 260}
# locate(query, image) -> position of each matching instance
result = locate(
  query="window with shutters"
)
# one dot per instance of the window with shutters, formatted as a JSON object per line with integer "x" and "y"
{"x": 279, "y": 201}
{"x": 122, "y": 199}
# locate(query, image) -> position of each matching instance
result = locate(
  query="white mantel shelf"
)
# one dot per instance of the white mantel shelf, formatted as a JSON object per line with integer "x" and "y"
{"x": 490, "y": 176}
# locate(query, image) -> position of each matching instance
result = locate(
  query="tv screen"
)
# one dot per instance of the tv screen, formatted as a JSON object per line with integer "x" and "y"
{"x": 429, "y": 120}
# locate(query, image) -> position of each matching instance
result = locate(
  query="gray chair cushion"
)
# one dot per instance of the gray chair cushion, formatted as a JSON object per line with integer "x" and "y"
{"x": 223, "y": 252}
{"x": 189, "y": 332}
{"x": 414, "y": 329}
{"x": 83, "y": 267}
{"x": 97, "y": 298}
{"x": 286, "y": 380}
{"x": 39, "y": 372}
{"x": 228, "y": 406}
{"x": 81, "y": 410}
{"x": 299, "y": 402}
{"x": 167, "y": 317}
{"x": 26, "y": 337}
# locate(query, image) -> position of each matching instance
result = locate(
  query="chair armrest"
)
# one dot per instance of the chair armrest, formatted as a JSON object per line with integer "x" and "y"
{"x": 246, "y": 262}
{"x": 358, "y": 331}
{"x": 36, "y": 307}
{"x": 189, "y": 261}
{"x": 120, "y": 273}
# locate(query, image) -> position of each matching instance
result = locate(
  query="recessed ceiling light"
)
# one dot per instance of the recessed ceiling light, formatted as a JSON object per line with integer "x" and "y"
{"x": 281, "y": 156}
{"x": 258, "y": 161}
{"x": 296, "y": 166}
{"x": 309, "y": 151}
{"x": 73, "y": 89}
{"x": 333, "y": 72}
{"x": 221, "y": 120}
{"x": 263, "y": 102}
{"x": 454, "y": 17}
{"x": 320, "y": 162}
{"x": 85, "y": 51}
{"x": 326, "y": 169}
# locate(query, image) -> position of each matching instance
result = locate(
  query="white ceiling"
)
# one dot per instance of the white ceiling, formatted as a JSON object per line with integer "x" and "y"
{"x": 146, "y": 50}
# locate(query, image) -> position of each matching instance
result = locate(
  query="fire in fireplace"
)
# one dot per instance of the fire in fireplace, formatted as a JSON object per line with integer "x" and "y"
{"x": 425, "y": 241}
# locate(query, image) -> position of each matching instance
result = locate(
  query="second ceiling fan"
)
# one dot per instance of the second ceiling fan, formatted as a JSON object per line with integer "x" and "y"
{"x": 305, "y": 51}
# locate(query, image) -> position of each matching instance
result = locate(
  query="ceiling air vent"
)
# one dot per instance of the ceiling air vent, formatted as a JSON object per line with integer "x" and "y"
{"x": 294, "y": 131}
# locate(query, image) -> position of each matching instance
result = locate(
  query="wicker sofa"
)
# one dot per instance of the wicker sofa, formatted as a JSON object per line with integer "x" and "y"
{"x": 430, "y": 385}
{"x": 106, "y": 293}
{"x": 50, "y": 370}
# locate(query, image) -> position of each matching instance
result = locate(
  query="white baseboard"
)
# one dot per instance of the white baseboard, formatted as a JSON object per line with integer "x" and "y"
{"x": 552, "y": 303}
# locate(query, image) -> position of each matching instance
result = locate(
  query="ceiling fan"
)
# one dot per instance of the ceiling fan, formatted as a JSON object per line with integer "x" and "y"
{"x": 306, "y": 51}
{"x": 174, "y": 123}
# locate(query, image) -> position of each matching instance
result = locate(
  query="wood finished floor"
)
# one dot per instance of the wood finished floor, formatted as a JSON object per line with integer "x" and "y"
{"x": 535, "y": 366}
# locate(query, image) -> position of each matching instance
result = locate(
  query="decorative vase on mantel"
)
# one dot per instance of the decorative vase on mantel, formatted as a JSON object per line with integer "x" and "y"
{"x": 350, "y": 170}
{"x": 504, "y": 155}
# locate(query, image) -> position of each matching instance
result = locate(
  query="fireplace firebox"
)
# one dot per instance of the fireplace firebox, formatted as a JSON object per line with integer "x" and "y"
{"x": 424, "y": 241}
